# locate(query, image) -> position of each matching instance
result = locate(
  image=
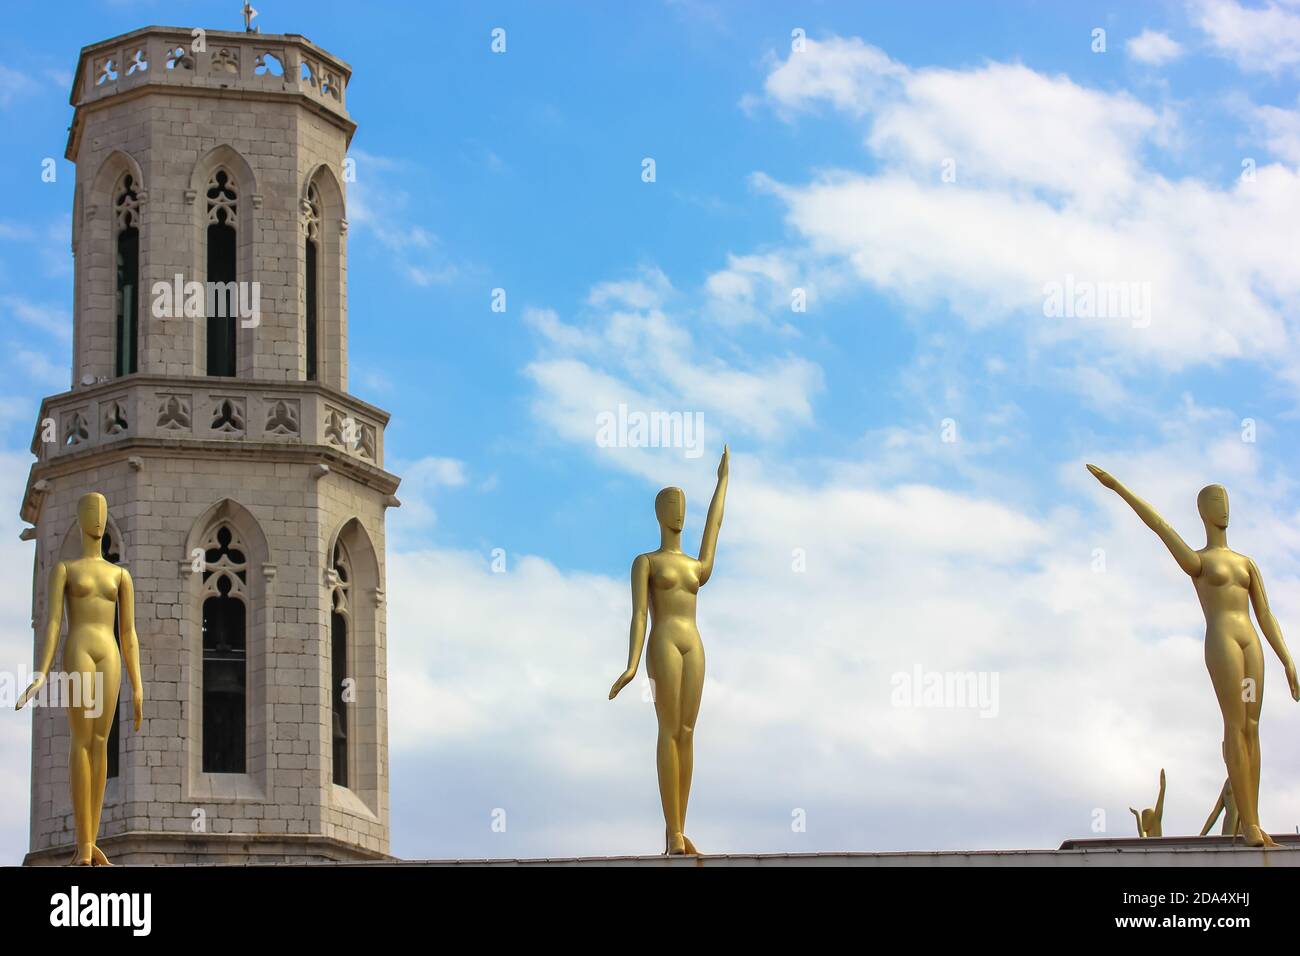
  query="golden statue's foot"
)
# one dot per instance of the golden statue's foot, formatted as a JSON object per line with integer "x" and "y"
{"x": 82, "y": 856}
{"x": 676, "y": 845}
{"x": 690, "y": 847}
{"x": 1257, "y": 837}
{"x": 97, "y": 857}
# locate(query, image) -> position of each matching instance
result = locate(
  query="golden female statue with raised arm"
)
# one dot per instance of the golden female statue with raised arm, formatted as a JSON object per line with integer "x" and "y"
{"x": 1228, "y": 584}
{"x": 1151, "y": 820}
{"x": 95, "y": 590}
{"x": 666, "y": 581}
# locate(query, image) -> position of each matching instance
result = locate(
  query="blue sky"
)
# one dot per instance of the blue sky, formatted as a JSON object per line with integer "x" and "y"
{"x": 778, "y": 169}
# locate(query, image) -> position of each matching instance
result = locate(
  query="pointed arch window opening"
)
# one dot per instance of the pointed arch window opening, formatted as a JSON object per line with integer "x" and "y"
{"x": 225, "y": 652}
{"x": 340, "y": 619}
{"x": 126, "y": 339}
{"x": 222, "y": 226}
{"x": 311, "y": 278}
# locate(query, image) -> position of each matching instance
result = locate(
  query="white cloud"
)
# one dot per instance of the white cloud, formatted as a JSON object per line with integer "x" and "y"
{"x": 649, "y": 290}
{"x": 14, "y": 85}
{"x": 378, "y": 206}
{"x": 422, "y": 480}
{"x": 1154, "y": 48}
{"x": 51, "y": 319}
{"x": 1263, "y": 38}
{"x": 774, "y": 289}
{"x": 39, "y": 368}
{"x": 1281, "y": 131}
{"x": 1051, "y": 183}
{"x": 846, "y": 73}
{"x": 633, "y": 350}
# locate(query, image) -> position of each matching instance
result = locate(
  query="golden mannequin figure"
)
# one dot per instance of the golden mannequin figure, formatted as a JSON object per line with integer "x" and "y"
{"x": 1151, "y": 821}
{"x": 666, "y": 581}
{"x": 95, "y": 590}
{"x": 1228, "y": 584}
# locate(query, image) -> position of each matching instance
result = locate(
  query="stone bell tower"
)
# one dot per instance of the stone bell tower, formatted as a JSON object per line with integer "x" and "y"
{"x": 245, "y": 485}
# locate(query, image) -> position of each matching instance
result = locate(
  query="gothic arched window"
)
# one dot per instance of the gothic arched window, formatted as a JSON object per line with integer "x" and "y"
{"x": 126, "y": 215}
{"x": 223, "y": 297}
{"x": 311, "y": 275}
{"x": 225, "y": 651}
{"x": 340, "y": 693}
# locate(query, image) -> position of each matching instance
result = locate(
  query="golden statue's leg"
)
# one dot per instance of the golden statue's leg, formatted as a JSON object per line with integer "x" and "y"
{"x": 692, "y": 691}
{"x": 1254, "y": 657}
{"x": 81, "y": 732}
{"x": 668, "y": 680}
{"x": 1226, "y": 661}
{"x": 1255, "y": 668}
{"x": 1254, "y": 661}
{"x": 111, "y": 668}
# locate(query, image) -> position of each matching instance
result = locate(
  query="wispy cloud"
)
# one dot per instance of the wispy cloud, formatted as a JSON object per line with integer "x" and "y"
{"x": 378, "y": 206}
{"x": 1154, "y": 48}
{"x": 50, "y": 319}
{"x": 1049, "y": 179}
{"x": 1264, "y": 38}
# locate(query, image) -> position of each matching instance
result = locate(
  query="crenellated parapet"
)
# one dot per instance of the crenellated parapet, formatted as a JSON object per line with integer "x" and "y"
{"x": 209, "y": 61}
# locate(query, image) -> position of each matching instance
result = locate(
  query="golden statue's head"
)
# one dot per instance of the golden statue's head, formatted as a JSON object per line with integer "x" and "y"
{"x": 1212, "y": 503}
{"x": 670, "y": 508}
{"x": 92, "y": 514}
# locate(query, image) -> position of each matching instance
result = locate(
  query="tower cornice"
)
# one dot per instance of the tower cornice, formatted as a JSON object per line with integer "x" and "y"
{"x": 228, "y": 64}
{"x": 201, "y": 416}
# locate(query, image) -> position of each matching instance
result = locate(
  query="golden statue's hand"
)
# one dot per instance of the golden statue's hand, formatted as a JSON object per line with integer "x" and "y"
{"x": 1290, "y": 679}
{"x": 724, "y": 466}
{"x": 27, "y": 694}
{"x": 1105, "y": 477}
{"x": 624, "y": 679}
{"x": 137, "y": 706}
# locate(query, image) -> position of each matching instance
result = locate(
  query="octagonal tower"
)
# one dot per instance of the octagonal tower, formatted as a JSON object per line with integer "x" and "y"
{"x": 245, "y": 485}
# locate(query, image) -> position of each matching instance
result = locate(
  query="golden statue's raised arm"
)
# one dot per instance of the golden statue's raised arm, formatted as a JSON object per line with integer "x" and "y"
{"x": 713, "y": 523}
{"x": 1187, "y": 559}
